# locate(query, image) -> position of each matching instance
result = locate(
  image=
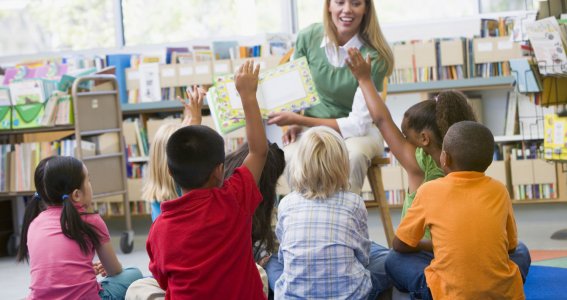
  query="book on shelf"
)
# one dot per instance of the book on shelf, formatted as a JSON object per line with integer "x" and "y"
{"x": 287, "y": 87}
{"x": 526, "y": 77}
{"x": 121, "y": 62}
{"x": 555, "y": 140}
{"x": 225, "y": 49}
{"x": 135, "y": 138}
{"x": 548, "y": 43}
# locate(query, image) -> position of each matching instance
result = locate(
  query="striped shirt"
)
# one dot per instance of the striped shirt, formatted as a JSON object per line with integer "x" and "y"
{"x": 324, "y": 247}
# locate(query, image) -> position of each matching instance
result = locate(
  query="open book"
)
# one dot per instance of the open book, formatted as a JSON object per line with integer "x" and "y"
{"x": 287, "y": 87}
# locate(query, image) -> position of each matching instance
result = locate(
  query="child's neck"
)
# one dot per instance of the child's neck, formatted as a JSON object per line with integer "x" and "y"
{"x": 435, "y": 153}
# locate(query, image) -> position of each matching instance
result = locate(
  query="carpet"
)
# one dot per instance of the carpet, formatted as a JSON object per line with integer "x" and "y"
{"x": 546, "y": 283}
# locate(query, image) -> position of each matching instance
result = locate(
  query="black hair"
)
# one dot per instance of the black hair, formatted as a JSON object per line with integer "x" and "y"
{"x": 470, "y": 145}
{"x": 437, "y": 115}
{"x": 262, "y": 232}
{"x": 192, "y": 154}
{"x": 54, "y": 178}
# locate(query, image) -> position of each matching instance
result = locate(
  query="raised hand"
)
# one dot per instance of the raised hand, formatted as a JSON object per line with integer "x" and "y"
{"x": 192, "y": 108}
{"x": 246, "y": 80}
{"x": 359, "y": 66}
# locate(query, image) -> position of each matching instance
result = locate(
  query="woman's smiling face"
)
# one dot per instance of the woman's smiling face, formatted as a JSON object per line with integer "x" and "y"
{"x": 347, "y": 16}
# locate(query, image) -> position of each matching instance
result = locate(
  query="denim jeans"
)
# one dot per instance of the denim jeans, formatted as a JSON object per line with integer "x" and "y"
{"x": 380, "y": 280}
{"x": 406, "y": 270}
{"x": 114, "y": 287}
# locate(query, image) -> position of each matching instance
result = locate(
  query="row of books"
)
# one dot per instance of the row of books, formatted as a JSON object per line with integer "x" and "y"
{"x": 135, "y": 138}
{"x": 534, "y": 191}
{"x": 18, "y": 163}
{"x": 152, "y": 80}
{"x": 449, "y": 59}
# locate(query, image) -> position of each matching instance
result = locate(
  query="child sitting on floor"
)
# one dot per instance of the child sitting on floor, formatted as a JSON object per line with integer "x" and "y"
{"x": 61, "y": 234}
{"x": 322, "y": 227}
{"x": 471, "y": 220}
{"x": 200, "y": 247}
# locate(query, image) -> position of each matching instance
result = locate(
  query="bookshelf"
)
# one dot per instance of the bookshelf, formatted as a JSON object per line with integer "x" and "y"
{"x": 470, "y": 84}
{"x": 97, "y": 116}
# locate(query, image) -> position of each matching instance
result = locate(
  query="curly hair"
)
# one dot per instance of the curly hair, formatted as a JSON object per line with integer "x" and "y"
{"x": 438, "y": 114}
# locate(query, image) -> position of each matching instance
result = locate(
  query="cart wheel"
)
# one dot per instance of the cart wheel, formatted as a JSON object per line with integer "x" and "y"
{"x": 12, "y": 245}
{"x": 126, "y": 245}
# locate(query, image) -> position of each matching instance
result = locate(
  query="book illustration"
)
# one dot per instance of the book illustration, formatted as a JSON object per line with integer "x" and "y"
{"x": 548, "y": 45}
{"x": 288, "y": 87}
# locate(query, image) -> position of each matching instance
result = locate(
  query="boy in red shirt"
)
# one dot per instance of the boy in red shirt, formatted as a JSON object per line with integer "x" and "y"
{"x": 200, "y": 246}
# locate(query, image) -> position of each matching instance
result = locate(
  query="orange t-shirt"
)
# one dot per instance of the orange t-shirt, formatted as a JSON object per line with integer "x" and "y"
{"x": 472, "y": 227}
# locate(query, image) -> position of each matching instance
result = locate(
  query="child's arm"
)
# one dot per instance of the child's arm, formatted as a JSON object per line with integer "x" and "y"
{"x": 246, "y": 80}
{"x": 192, "y": 110}
{"x": 403, "y": 150}
{"x": 108, "y": 259}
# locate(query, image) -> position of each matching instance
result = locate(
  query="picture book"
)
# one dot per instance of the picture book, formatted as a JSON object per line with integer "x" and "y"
{"x": 526, "y": 80}
{"x": 548, "y": 44}
{"x": 287, "y": 87}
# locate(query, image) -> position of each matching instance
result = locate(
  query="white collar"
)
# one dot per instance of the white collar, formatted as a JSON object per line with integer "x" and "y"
{"x": 354, "y": 42}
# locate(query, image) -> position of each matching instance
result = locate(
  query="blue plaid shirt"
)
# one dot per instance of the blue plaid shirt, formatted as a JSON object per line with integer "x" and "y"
{"x": 324, "y": 247}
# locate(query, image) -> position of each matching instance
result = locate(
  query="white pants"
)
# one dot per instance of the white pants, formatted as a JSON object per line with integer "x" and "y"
{"x": 148, "y": 288}
{"x": 361, "y": 151}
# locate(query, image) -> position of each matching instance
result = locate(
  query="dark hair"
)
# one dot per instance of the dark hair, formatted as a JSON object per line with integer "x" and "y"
{"x": 273, "y": 169}
{"x": 192, "y": 154}
{"x": 55, "y": 177}
{"x": 437, "y": 115}
{"x": 470, "y": 145}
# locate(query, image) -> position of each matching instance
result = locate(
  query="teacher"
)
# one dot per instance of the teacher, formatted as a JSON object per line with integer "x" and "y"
{"x": 346, "y": 24}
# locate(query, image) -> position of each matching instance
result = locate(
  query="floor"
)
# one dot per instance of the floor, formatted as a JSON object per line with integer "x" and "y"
{"x": 536, "y": 223}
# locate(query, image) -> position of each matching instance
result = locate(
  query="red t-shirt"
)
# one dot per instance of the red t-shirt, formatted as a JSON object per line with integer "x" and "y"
{"x": 200, "y": 247}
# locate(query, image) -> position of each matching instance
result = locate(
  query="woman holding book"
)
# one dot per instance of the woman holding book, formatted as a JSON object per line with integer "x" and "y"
{"x": 346, "y": 24}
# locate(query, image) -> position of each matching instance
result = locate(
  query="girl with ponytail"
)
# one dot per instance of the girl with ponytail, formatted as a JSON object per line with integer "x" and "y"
{"x": 60, "y": 237}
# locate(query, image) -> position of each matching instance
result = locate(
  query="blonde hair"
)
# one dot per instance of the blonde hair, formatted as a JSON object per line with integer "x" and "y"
{"x": 320, "y": 166}
{"x": 369, "y": 31}
{"x": 160, "y": 185}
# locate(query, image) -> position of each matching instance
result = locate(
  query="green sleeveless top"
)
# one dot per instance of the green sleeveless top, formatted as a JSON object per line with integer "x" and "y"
{"x": 336, "y": 86}
{"x": 432, "y": 171}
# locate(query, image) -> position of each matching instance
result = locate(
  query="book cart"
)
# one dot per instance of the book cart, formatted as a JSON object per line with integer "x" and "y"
{"x": 98, "y": 112}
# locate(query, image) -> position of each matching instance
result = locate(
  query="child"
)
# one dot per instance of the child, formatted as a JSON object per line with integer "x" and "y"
{"x": 418, "y": 149}
{"x": 322, "y": 229}
{"x": 263, "y": 239}
{"x": 469, "y": 215}
{"x": 200, "y": 246}
{"x": 59, "y": 238}
{"x": 160, "y": 186}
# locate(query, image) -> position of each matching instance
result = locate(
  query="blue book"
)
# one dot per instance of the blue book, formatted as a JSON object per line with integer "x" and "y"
{"x": 525, "y": 78}
{"x": 121, "y": 62}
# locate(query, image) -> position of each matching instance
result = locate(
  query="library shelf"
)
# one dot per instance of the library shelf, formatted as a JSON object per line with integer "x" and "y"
{"x": 38, "y": 130}
{"x": 140, "y": 159}
{"x": 516, "y": 138}
{"x": 370, "y": 204}
{"x": 16, "y": 194}
{"x": 499, "y": 82}
{"x": 102, "y": 131}
{"x": 153, "y": 107}
{"x": 540, "y": 201}
{"x": 102, "y": 156}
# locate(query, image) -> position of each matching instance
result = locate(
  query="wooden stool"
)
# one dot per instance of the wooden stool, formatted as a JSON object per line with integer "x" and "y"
{"x": 375, "y": 179}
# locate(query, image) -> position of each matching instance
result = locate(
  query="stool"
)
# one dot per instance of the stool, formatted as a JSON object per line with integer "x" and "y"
{"x": 375, "y": 179}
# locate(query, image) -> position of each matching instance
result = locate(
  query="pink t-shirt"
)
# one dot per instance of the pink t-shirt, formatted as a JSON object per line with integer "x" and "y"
{"x": 59, "y": 269}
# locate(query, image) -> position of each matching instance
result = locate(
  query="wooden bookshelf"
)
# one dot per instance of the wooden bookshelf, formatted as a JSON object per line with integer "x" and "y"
{"x": 539, "y": 201}
{"x": 470, "y": 84}
{"x": 16, "y": 194}
{"x": 38, "y": 130}
{"x": 153, "y": 107}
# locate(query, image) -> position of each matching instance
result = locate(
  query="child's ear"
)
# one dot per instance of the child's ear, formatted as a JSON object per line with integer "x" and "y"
{"x": 424, "y": 138}
{"x": 218, "y": 173}
{"x": 76, "y": 195}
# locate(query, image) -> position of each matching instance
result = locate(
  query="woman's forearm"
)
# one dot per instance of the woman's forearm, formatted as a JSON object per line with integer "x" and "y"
{"x": 312, "y": 122}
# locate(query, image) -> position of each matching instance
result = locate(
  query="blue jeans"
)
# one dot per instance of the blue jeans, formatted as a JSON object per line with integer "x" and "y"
{"x": 114, "y": 287}
{"x": 380, "y": 280}
{"x": 406, "y": 270}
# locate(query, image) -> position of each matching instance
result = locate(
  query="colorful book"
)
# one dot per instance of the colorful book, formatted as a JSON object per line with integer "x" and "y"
{"x": 287, "y": 87}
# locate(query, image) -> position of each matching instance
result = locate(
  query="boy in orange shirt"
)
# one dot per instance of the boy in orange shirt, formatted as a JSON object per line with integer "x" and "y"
{"x": 471, "y": 221}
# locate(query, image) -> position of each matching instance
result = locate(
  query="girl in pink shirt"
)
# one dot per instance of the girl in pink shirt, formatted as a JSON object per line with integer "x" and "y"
{"x": 60, "y": 237}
